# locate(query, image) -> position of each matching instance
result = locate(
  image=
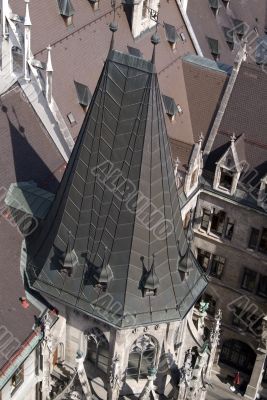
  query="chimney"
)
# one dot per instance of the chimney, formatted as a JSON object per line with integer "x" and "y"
{"x": 4, "y": 11}
{"x": 49, "y": 73}
{"x": 27, "y": 41}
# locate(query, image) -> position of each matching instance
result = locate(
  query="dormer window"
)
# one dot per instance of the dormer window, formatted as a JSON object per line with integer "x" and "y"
{"x": 214, "y": 48}
{"x": 171, "y": 35}
{"x": 226, "y": 180}
{"x": 95, "y": 4}
{"x": 214, "y": 5}
{"x": 170, "y": 107}
{"x": 66, "y": 11}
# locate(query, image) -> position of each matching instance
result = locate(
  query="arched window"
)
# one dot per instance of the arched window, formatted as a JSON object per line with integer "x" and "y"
{"x": 142, "y": 357}
{"x": 98, "y": 349}
{"x": 238, "y": 355}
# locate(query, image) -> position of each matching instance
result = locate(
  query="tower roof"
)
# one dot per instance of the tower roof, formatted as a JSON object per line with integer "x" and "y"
{"x": 118, "y": 200}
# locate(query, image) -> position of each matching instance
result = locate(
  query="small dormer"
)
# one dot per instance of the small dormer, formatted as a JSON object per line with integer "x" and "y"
{"x": 215, "y": 6}
{"x": 68, "y": 260}
{"x": 66, "y": 11}
{"x": 83, "y": 94}
{"x": 171, "y": 35}
{"x": 103, "y": 275}
{"x": 214, "y": 48}
{"x": 194, "y": 168}
{"x": 144, "y": 15}
{"x": 150, "y": 282}
{"x": 239, "y": 28}
{"x": 230, "y": 166}
{"x": 171, "y": 108}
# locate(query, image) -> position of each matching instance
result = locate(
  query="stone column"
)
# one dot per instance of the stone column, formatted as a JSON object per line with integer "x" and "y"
{"x": 256, "y": 376}
{"x": 83, "y": 377}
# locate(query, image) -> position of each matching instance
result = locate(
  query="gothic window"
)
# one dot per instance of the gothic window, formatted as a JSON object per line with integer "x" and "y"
{"x": 238, "y": 355}
{"x": 262, "y": 286}
{"x": 98, "y": 349}
{"x": 226, "y": 179}
{"x": 142, "y": 357}
{"x": 217, "y": 222}
{"x": 207, "y": 298}
{"x": 253, "y": 240}
{"x": 203, "y": 258}
{"x": 229, "y": 230}
{"x": 205, "y": 219}
{"x": 217, "y": 265}
{"x": 249, "y": 280}
{"x": 263, "y": 241}
{"x": 17, "y": 379}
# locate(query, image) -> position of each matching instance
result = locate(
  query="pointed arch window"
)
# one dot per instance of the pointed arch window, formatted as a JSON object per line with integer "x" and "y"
{"x": 142, "y": 357}
{"x": 98, "y": 349}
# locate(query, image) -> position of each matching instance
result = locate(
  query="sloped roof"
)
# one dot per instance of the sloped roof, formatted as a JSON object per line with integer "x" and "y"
{"x": 245, "y": 116}
{"x": 26, "y": 153}
{"x": 124, "y": 141}
{"x": 239, "y": 16}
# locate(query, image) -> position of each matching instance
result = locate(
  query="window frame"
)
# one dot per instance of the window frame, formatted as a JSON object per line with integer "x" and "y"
{"x": 17, "y": 379}
{"x": 215, "y": 265}
{"x": 260, "y": 281}
{"x": 246, "y": 272}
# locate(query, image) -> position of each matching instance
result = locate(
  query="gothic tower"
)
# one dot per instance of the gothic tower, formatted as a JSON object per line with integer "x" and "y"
{"x": 112, "y": 255}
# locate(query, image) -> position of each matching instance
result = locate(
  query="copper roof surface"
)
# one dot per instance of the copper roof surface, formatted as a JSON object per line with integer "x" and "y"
{"x": 124, "y": 133}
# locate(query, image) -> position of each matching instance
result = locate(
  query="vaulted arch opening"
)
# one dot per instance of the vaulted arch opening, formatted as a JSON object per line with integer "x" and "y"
{"x": 98, "y": 349}
{"x": 238, "y": 355}
{"x": 142, "y": 357}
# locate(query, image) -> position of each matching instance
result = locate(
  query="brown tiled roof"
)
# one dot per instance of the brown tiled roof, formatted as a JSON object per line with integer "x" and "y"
{"x": 182, "y": 151}
{"x": 26, "y": 154}
{"x": 78, "y": 53}
{"x": 204, "y": 88}
{"x": 206, "y": 24}
{"x": 246, "y": 114}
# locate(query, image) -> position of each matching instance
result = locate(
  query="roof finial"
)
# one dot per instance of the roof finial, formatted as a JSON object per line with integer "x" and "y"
{"x": 27, "y": 20}
{"x": 113, "y": 26}
{"x": 233, "y": 138}
{"x": 154, "y": 40}
{"x": 201, "y": 137}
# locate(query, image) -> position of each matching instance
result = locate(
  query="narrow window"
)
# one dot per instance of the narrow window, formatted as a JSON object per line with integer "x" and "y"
{"x": 263, "y": 241}
{"x": 205, "y": 219}
{"x": 217, "y": 266}
{"x": 17, "y": 379}
{"x": 262, "y": 286}
{"x": 249, "y": 280}
{"x": 253, "y": 240}
{"x": 229, "y": 230}
{"x": 226, "y": 179}
{"x": 217, "y": 222}
{"x": 203, "y": 258}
